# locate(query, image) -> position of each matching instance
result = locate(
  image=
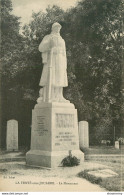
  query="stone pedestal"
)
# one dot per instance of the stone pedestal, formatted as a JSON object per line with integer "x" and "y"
{"x": 54, "y": 134}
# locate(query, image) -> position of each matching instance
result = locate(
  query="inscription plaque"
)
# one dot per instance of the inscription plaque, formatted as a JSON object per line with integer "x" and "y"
{"x": 41, "y": 126}
{"x": 64, "y": 120}
{"x": 65, "y": 137}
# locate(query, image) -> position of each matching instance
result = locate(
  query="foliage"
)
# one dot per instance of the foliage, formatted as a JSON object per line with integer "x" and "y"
{"x": 70, "y": 161}
{"x": 12, "y": 70}
{"x": 99, "y": 35}
{"x": 121, "y": 140}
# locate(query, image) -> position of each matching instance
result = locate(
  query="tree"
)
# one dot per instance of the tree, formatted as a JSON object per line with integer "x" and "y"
{"x": 11, "y": 45}
{"x": 93, "y": 36}
{"x": 92, "y": 32}
{"x": 21, "y": 70}
{"x": 95, "y": 28}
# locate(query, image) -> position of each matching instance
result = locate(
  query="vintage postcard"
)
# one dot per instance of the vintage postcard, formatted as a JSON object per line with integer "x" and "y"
{"x": 61, "y": 99}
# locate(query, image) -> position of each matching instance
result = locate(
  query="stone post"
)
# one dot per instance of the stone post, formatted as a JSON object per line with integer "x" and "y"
{"x": 12, "y": 135}
{"x": 83, "y": 134}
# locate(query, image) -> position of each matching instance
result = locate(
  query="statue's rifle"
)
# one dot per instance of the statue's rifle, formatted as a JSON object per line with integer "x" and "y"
{"x": 49, "y": 91}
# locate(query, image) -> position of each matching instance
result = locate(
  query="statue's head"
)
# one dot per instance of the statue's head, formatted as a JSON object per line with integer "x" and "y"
{"x": 56, "y": 27}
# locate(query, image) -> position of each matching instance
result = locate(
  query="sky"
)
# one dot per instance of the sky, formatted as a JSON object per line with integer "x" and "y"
{"x": 24, "y": 8}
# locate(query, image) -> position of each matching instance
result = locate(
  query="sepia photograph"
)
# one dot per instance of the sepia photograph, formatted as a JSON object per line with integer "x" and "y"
{"x": 62, "y": 96}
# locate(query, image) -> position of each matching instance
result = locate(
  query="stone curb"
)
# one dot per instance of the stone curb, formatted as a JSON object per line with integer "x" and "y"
{"x": 12, "y": 159}
{"x": 104, "y": 157}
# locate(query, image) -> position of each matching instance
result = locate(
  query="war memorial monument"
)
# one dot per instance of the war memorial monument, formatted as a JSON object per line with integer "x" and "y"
{"x": 54, "y": 131}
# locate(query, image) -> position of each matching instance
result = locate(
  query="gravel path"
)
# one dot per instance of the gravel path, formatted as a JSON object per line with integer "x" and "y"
{"x": 17, "y": 176}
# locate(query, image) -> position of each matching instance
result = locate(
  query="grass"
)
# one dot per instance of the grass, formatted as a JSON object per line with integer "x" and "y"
{"x": 115, "y": 183}
{"x": 103, "y": 150}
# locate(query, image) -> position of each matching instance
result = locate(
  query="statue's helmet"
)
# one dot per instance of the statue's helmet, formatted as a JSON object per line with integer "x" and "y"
{"x": 56, "y": 24}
